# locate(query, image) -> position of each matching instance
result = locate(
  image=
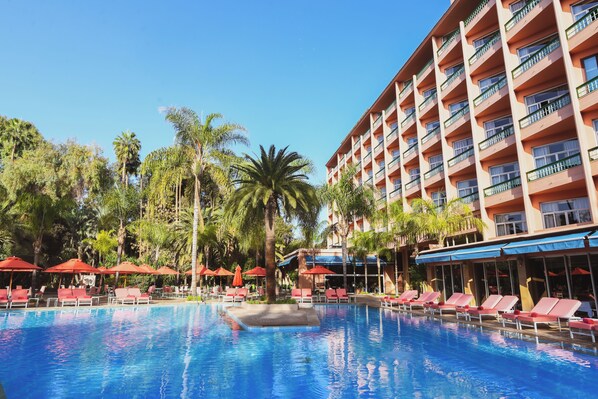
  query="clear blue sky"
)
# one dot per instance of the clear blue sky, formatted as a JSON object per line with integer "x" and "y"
{"x": 296, "y": 73}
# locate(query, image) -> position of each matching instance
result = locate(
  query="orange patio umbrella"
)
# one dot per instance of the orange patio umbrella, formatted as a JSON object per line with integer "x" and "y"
{"x": 14, "y": 264}
{"x": 206, "y": 272}
{"x": 256, "y": 271}
{"x": 316, "y": 270}
{"x": 71, "y": 266}
{"x": 238, "y": 279}
{"x": 222, "y": 272}
{"x": 148, "y": 269}
{"x": 167, "y": 271}
{"x": 126, "y": 268}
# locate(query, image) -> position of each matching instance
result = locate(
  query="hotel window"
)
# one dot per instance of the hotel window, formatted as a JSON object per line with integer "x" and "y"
{"x": 590, "y": 67}
{"x": 550, "y": 153}
{"x": 456, "y": 107}
{"x": 381, "y": 164}
{"x": 461, "y": 146}
{"x": 396, "y": 183}
{"x": 439, "y": 198}
{"x": 411, "y": 141}
{"x": 429, "y": 93}
{"x": 431, "y": 126}
{"x": 467, "y": 187}
{"x": 370, "y": 173}
{"x": 380, "y": 138}
{"x": 394, "y": 125}
{"x": 539, "y": 100}
{"x": 435, "y": 161}
{"x": 477, "y": 43}
{"x": 517, "y": 5}
{"x": 382, "y": 192}
{"x": 562, "y": 213}
{"x": 525, "y": 52}
{"x": 396, "y": 153}
{"x": 368, "y": 149}
{"x": 452, "y": 69}
{"x": 505, "y": 172}
{"x": 487, "y": 82}
{"x": 510, "y": 223}
{"x": 497, "y": 125}
{"x": 448, "y": 35}
{"x": 414, "y": 174}
{"x": 409, "y": 111}
{"x": 595, "y": 124}
{"x": 580, "y": 9}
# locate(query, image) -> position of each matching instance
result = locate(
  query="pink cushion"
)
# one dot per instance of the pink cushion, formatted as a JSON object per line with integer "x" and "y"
{"x": 533, "y": 314}
{"x": 517, "y": 312}
{"x": 587, "y": 320}
{"x": 480, "y": 308}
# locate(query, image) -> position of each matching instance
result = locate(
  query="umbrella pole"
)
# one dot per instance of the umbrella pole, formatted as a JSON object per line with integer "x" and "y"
{"x": 60, "y": 280}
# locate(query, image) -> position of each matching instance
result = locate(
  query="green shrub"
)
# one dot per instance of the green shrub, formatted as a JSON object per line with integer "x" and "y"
{"x": 194, "y": 298}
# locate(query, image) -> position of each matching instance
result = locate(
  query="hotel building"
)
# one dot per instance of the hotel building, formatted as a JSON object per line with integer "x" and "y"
{"x": 497, "y": 106}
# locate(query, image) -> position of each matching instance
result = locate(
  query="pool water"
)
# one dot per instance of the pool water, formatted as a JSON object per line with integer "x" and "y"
{"x": 191, "y": 351}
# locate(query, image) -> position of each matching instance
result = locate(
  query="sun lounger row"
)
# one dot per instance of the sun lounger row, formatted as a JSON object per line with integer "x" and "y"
{"x": 547, "y": 311}
{"x": 302, "y": 295}
{"x": 74, "y": 296}
{"x": 131, "y": 296}
{"x": 18, "y": 298}
{"x": 235, "y": 295}
{"x": 336, "y": 296}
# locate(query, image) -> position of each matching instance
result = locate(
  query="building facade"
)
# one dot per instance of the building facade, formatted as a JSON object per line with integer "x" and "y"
{"x": 497, "y": 106}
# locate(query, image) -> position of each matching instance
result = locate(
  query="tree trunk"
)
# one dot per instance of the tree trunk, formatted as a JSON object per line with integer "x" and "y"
{"x": 37, "y": 250}
{"x": 379, "y": 281}
{"x": 344, "y": 238}
{"x": 365, "y": 267}
{"x": 270, "y": 252}
{"x": 397, "y": 270}
{"x": 122, "y": 233}
{"x": 194, "y": 239}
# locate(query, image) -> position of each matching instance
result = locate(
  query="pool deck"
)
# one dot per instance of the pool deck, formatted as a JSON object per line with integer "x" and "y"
{"x": 264, "y": 318}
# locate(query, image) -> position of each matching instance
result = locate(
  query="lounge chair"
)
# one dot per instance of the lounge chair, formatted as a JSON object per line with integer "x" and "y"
{"x": 404, "y": 297}
{"x": 544, "y": 306}
{"x": 331, "y": 296}
{"x": 586, "y": 326}
{"x": 451, "y": 301}
{"x": 296, "y": 295}
{"x": 489, "y": 303}
{"x": 241, "y": 295}
{"x": 82, "y": 297}
{"x": 66, "y": 297}
{"x": 460, "y": 302}
{"x": 230, "y": 295}
{"x": 306, "y": 295}
{"x": 419, "y": 303}
{"x": 505, "y": 305}
{"x": 4, "y": 298}
{"x": 121, "y": 295}
{"x": 341, "y": 293}
{"x": 19, "y": 297}
{"x": 139, "y": 297}
{"x": 563, "y": 310}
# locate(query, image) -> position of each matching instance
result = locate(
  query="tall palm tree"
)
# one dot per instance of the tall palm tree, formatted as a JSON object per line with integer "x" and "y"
{"x": 126, "y": 148}
{"x": 272, "y": 185}
{"x": 436, "y": 223}
{"x": 121, "y": 203}
{"x": 348, "y": 201}
{"x": 208, "y": 148}
{"x": 17, "y": 135}
{"x": 402, "y": 229}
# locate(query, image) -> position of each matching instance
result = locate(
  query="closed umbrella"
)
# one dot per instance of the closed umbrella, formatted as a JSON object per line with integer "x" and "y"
{"x": 14, "y": 264}
{"x": 238, "y": 279}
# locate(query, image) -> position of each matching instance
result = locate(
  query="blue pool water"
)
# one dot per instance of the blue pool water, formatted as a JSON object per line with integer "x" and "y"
{"x": 190, "y": 351}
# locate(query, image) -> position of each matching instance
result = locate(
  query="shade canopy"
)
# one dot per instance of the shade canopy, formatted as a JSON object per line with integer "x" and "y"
{"x": 167, "y": 271}
{"x": 206, "y": 272}
{"x": 238, "y": 279}
{"x": 72, "y": 266}
{"x": 126, "y": 268}
{"x": 318, "y": 270}
{"x": 547, "y": 244}
{"x": 148, "y": 269}
{"x": 256, "y": 271}
{"x": 15, "y": 264}
{"x": 222, "y": 272}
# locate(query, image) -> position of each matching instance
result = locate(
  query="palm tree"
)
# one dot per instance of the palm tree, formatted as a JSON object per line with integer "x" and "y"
{"x": 402, "y": 230}
{"x": 126, "y": 148}
{"x": 314, "y": 230}
{"x": 436, "y": 223}
{"x": 17, "y": 135}
{"x": 103, "y": 243}
{"x": 207, "y": 147}
{"x": 121, "y": 203}
{"x": 274, "y": 184}
{"x": 348, "y": 201}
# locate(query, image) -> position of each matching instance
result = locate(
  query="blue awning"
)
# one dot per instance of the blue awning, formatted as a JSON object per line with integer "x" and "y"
{"x": 286, "y": 262}
{"x": 332, "y": 260}
{"x": 435, "y": 257}
{"x": 547, "y": 244}
{"x": 593, "y": 239}
{"x": 481, "y": 252}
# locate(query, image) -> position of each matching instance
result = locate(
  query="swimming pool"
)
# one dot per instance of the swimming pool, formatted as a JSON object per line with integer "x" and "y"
{"x": 189, "y": 351}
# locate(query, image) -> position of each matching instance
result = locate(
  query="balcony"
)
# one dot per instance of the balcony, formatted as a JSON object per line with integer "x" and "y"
{"x": 369, "y": 181}
{"x": 357, "y": 145}
{"x": 534, "y": 17}
{"x": 412, "y": 187}
{"x": 480, "y": 19}
{"x": 390, "y": 109}
{"x": 367, "y": 159}
{"x": 542, "y": 66}
{"x": 562, "y": 172}
{"x": 483, "y": 55}
{"x": 395, "y": 193}
{"x": 498, "y": 144}
{"x": 407, "y": 90}
{"x": 379, "y": 174}
{"x": 393, "y": 165}
{"x": 428, "y": 105}
{"x": 503, "y": 193}
{"x": 431, "y": 138}
{"x": 377, "y": 123}
{"x": 548, "y": 119}
{"x": 434, "y": 176}
{"x": 425, "y": 75}
{"x": 408, "y": 122}
{"x": 449, "y": 49}
{"x": 582, "y": 34}
{"x": 457, "y": 122}
{"x": 493, "y": 99}
{"x": 366, "y": 136}
{"x": 588, "y": 95}
{"x": 408, "y": 154}
{"x": 379, "y": 147}
{"x": 392, "y": 136}
{"x": 381, "y": 201}
{"x": 460, "y": 157}
{"x": 471, "y": 198}
{"x": 455, "y": 81}
{"x": 593, "y": 154}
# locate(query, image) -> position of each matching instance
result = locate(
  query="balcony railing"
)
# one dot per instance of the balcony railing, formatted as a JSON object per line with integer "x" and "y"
{"x": 369, "y": 181}
{"x": 357, "y": 144}
{"x": 456, "y": 116}
{"x": 460, "y": 157}
{"x": 434, "y": 171}
{"x": 519, "y": 15}
{"x": 382, "y": 198}
{"x": 593, "y": 153}
{"x": 427, "y": 101}
{"x": 471, "y": 198}
{"x": 380, "y": 173}
{"x": 410, "y": 150}
{"x": 484, "y": 49}
{"x": 378, "y": 146}
{"x": 555, "y": 167}
{"x": 588, "y": 87}
{"x": 431, "y": 134}
{"x": 392, "y": 135}
{"x": 367, "y": 158}
{"x": 412, "y": 183}
{"x": 358, "y": 165}
{"x": 394, "y": 162}
{"x": 391, "y": 108}
{"x": 395, "y": 192}
{"x": 497, "y": 138}
{"x": 366, "y": 135}
{"x": 475, "y": 12}
{"x": 448, "y": 42}
{"x": 490, "y": 91}
{"x": 503, "y": 186}
{"x": 583, "y": 23}
{"x": 452, "y": 78}
{"x": 421, "y": 72}
{"x": 546, "y": 110}
{"x": 406, "y": 88}
{"x": 377, "y": 122}
{"x": 408, "y": 119}
{"x": 536, "y": 57}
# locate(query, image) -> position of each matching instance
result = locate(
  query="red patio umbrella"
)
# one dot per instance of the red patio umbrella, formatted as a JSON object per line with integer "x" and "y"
{"x": 72, "y": 266}
{"x": 148, "y": 269}
{"x": 256, "y": 271}
{"x": 238, "y": 279}
{"x": 167, "y": 271}
{"x": 578, "y": 271}
{"x": 14, "y": 264}
{"x": 316, "y": 270}
{"x": 222, "y": 272}
{"x": 126, "y": 268}
{"x": 206, "y": 272}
